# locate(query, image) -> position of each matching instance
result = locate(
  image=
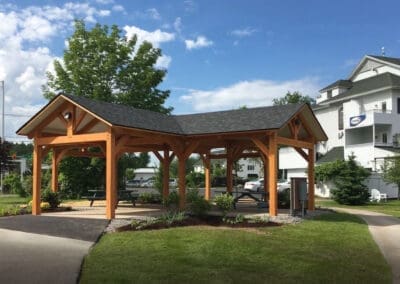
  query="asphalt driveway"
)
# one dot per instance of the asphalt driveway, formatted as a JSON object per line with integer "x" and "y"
{"x": 42, "y": 249}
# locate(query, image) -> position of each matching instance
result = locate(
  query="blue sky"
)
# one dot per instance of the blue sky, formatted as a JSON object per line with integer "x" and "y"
{"x": 219, "y": 54}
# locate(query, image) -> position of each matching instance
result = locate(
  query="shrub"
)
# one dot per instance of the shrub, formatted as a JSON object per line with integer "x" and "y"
{"x": 13, "y": 183}
{"x": 45, "y": 205}
{"x": 171, "y": 201}
{"x": 350, "y": 189}
{"x": 197, "y": 205}
{"x": 284, "y": 198}
{"x": 148, "y": 197}
{"x": 225, "y": 203}
{"x": 51, "y": 197}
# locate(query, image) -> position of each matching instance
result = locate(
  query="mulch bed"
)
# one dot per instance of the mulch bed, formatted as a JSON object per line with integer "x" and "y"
{"x": 215, "y": 221}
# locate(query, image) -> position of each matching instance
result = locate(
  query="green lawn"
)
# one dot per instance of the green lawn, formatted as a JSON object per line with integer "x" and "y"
{"x": 10, "y": 204}
{"x": 392, "y": 207}
{"x": 333, "y": 248}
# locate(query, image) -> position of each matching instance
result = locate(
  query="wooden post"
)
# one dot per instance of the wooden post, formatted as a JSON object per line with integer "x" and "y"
{"x": 182, "y": 180}
{"x": 265, "y": 163}
{"x": 272, "y": 176}
{"x": 37, "y": 177}
{"x": 110, "y": 176}
{"x": 166, "y": 163}
{"x": 207, "y": 173}
{"x": 311, "y": 179}
{"x": 54, "y": 171}
{"x": 229, "y": 168}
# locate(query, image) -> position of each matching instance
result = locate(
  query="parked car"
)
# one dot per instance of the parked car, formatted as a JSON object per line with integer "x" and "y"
{"x": 258, "y": 185}
{"x": 133, "y": 183}
{"x": 148, "y": 183}
{"x": 173, "y": 182}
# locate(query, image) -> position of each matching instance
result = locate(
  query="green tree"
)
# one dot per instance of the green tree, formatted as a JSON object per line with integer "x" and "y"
{"x": 391, "y": 172}
{"x": 348, "y": 178}
{"x": 103, "y": 65}
{"x": 5, "y": 159}
{"x": 293, "y": 98}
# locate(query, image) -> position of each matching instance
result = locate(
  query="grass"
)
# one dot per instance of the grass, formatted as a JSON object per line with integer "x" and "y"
{"x": 333, "y": 248}
{"x": 392, "y": 207}
{"x": 10, "y": 204}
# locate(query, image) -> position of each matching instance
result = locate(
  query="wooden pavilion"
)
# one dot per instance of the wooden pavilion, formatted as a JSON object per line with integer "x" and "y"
{"x": 69, "y": 125}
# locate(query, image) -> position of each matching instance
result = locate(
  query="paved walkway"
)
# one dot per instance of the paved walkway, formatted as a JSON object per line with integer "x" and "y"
{"x": 41, "y": 249}
{"x": 385, "y": 230}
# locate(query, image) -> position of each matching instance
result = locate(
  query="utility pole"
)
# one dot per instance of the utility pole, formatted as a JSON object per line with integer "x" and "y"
{"x": 2, "y": 136}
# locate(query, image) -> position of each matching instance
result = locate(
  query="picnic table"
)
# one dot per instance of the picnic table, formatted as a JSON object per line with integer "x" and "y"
{"x": 100, "y": 194}
{"x": 260, "y": 197}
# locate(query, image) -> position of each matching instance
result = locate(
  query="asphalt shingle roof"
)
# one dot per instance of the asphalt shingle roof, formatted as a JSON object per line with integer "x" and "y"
{"x": 392, "y": 60}
{"x": 338, "y": 83}
{"x": 369, "y": 84}
{"x": 273, "y": 117}
{"x": 336, "y": 153}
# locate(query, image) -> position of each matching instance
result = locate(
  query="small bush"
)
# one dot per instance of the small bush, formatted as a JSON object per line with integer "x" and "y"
{"x": 52, "y": 198}
{"x": 148, "y": 197}
{"x": 284, "y": 198}
{"x": 44, "y": 205}
{"x": 172, "y": 200}
{"x": 13, "y": 183}
{"x": 225, "y": 203}
{"x": 197, "y": 205}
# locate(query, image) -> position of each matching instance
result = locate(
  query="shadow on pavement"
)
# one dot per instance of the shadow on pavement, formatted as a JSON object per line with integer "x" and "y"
{"x": 73, "y": 228}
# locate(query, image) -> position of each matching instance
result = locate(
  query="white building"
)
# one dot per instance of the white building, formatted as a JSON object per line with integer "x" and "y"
{"x": 360, "y": 115}
{"x": 145, "y": 173}
{"x": 248, "y": 168}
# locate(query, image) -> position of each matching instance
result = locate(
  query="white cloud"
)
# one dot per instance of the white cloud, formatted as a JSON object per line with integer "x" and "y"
{"x": 190, "y": 5}
{"x": 118, "y": 8}
{"x": 250, "y": 93}
{"x": 163, "y": 62}
{"x": 155, "y": 37}
{"x": 243, "y": 32}
{"x": 36, "y": 28}
{"x": 178, "y": 25}
{"x": 200, "y": 42}
{"x": 153, "y": 13}
{"x": 105, "y": 2}
{"x": 25, "y": 57}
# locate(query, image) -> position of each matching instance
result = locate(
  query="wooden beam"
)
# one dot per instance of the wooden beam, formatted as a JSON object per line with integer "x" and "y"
{"x": 294, "y": 143}
{"x": 75, "y": 139}
{"x": 229, "y": 169}
{"x": 272, "y": 175}
{"x": 159, "y": 157}
{"x": 36, "y": 179}
{"x": 207, "y": 175}
{"x": 111, "y": 185}
{"x": 264, "y": 149}
{"x": 54, "y": 171}
{"x": 302, "y": 153}
{"x": 182, "y": 181}
{"x": 311, "y": 179}
{"x": 88, "y": 126}
{"x": 38, "y": 129}
{"x": 79, "y": 120}
{"x": 165, "y": 163}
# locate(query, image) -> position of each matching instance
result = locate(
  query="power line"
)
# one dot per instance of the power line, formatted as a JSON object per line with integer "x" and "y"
{"x": 17, "y": 115}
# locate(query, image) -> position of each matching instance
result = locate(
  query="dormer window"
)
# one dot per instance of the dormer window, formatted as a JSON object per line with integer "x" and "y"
{"x": 329, "y": 94}
{"x": 340, "y": 118}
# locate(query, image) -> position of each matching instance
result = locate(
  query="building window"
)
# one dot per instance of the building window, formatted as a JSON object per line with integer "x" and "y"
{"x": 340, "y": 118}
{"x": 329, "y": 94}
{"x": 398, "y": 105}
{"x": 383, "y": 107}
{"x": 384, "y": 138}
{"x": 250, "y": 167}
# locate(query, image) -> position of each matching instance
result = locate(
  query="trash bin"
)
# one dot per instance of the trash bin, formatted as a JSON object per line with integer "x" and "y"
{"x": 298, "y": 196}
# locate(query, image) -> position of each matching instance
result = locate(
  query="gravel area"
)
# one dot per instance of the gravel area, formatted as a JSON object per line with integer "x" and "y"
{"x": 281, "y": 218}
